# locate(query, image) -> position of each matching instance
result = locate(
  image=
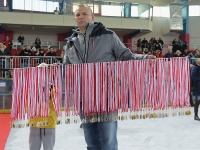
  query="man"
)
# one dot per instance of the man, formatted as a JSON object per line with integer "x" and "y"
{"x": 91, "y": 43}
{"x": 21, "y": 40}
{"x": 8, "y": 43}
{"x": 25, "y": 61}
{"x": 3, "y": 50}
{"x": 195, "y": 77}
{"x": 51, "y": 52}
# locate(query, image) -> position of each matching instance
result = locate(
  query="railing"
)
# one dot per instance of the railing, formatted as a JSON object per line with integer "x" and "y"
{"x": 7, "y": 63}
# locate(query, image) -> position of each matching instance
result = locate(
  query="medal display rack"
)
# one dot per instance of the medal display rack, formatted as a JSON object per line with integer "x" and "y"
{"x": 104, "y": 91}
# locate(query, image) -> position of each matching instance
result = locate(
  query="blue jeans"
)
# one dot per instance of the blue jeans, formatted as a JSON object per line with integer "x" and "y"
{"x": 101, "y": 135}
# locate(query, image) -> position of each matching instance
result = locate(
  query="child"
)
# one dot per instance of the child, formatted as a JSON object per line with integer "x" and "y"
{"x": 42, "y": 130}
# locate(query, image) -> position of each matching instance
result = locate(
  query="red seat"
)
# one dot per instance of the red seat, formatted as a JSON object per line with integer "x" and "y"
{"x": 13, "y": 52}
{"x": 58, "y": 52}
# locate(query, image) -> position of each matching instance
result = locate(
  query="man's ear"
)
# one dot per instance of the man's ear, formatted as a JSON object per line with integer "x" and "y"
{"x": 92, "y": 17}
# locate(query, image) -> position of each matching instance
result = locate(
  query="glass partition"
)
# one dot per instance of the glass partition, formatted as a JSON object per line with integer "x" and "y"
{"x": 143, "y": 10}
{"x": 35, "y": 5}
{"x": 100, "y": 8}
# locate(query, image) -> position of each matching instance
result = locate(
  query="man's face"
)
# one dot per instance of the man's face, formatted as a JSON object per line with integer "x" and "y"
{"x": 28, "y": 47}
{"x": 83, "y": 16}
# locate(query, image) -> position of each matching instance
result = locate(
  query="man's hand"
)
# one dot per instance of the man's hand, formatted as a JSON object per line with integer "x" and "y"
{"x": 151, "y": 57}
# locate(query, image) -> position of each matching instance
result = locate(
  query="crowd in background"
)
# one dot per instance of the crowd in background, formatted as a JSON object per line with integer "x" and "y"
{"x": 26, "y": 50}
{"x": 155, "y": 47}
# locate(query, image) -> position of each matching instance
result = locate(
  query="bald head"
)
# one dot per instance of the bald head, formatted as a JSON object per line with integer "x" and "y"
{"x": 85, "y": 6}
{"x": 83, "y": 16}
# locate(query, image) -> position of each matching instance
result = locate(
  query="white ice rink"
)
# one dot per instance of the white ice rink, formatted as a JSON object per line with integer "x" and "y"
{"x": 172, "y": 133}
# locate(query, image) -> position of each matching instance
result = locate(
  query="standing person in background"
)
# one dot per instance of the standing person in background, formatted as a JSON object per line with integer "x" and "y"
{"x": 8, "y": 43}
{"x": 195, "y": 76}
{"x": 56, "y": 11}
{"x": 92, "y": 43}
{"x": 160, "y": 41}
{"x": 139, "y": 44}
{"x": 145, "y": 44}
{"x": 37, "y": 43}
{"x": 21, "y": 40}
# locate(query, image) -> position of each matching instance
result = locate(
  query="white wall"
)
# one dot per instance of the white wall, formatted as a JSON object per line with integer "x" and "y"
{"x": 194, "y": 31}
{"x": 32, "y": 37}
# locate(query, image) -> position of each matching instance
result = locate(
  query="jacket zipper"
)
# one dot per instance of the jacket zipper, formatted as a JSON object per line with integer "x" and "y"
{"x": 78, "y": 52}
{"x": 86, "y": 50}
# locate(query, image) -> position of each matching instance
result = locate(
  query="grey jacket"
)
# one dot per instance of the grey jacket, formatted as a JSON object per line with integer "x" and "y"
{"x": 98, "y": 45}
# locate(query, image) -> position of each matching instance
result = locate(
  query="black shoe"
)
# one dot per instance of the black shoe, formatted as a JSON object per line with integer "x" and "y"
{"x": 196, "y": 118}
{"x": 81, "y": 126}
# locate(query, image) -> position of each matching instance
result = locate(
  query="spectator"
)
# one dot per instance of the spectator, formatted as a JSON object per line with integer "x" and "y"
{"x": 160, "y": 41}
{"x": 36, "y": 52}
{"x": 184, "y": 46}
{"x": 157, "y": 46}
{"x": 37, "y": 42}
{"x": 175, "y": 47}
{"x": 33, "y": 48}
{"x": 169, "y": 54}
{"x": 26, "y": 52}
{"x": 144, "y": 44}
{"x": 25, "y": 61}
{"x": 195, "y": 76}
{"x": 21, "y": 40}
{"x": 51, "y": 52}
{"x": 3, "y": 49}
{"x": 197, "y": 53}
{"x": 178, "y": 54}
{"x": 41, "y": 54}
{"x": 8, "y": 43}
{"x": 3, "y": 64}
{"x": 139, "y": 44}
{"x": 56, "y": 11}
{"x": 158, "y": 54}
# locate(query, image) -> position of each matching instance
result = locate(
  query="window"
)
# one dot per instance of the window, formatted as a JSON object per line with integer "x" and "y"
{"x": 134, "y": 11}
{"x": 161, "y": 11}
{"x": 5, "y": 1}
{"x": 35, "y": 5}
{"x": 28, "y": 5}
{"x": 145, "y": 14}
{"x": 194, "y": 10}
{"x": 116, "y": 10}
{"x": 51, "y": 6}
{"x": 96, "y": 7}
{"x": 18, "y": 4}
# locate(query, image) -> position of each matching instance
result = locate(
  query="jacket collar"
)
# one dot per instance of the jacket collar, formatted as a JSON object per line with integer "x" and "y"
{"x": 91, "y": 30}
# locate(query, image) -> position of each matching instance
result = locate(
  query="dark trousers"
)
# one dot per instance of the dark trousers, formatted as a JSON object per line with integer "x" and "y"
{"x": 196, "y": 107}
